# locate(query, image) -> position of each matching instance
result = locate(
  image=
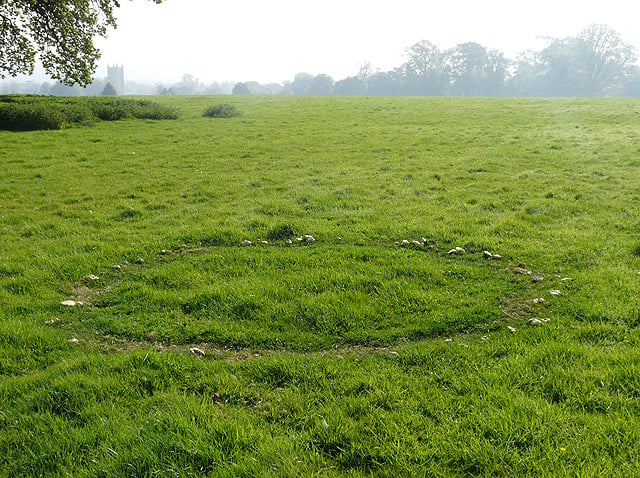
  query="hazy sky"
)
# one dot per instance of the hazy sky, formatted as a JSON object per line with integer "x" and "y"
{"x": 272, "y": 40}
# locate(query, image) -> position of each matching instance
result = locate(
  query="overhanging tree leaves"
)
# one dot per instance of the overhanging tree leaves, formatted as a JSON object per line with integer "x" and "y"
{"x": 59, "y": 33}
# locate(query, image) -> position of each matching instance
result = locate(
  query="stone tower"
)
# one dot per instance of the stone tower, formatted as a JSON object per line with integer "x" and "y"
{"x": 115, "y": 76}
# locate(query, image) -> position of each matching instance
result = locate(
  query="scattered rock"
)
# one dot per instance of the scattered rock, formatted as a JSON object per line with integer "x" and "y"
{"x": 496, "y": 257}
{"x": 125, "y": 263}
{"x": 309, "y": 238}
{"x": 245, "y": 243}
{"x": 393, "y": 355}
{"x": 538, "y": 300}
{"x": 166, "y": 252}
{"x": 324, "y": 423}
{"x": 117, "y": 267}
{"x": 484, "y": 337}
{"x": 554, "y": 292}
{"x": 521, "y": 270}
{"x": 487, "y": 254}
{"x": 564, "y": 279}
{"x": 55, "y": 320}
{"x": 418, "y": 244}
{"x": 404, "y": 243}
{"x": 74, "y": 340}
{"x": 537, "y": 278}
{"x": 197, "y": 351}
{"x": 300, "y": 239}
{"x": 69, "y": 303}
{"x": 457, "y": 250}
{"x": 265, "y": 242}
{"x": 93, "y": 277}
{"x": 511, "y": 329}
{"x": 448, "y": 340}
{"x": 139, "y": 260}
{"x": 535, "y": 321}
{"x": 288, "y": 242}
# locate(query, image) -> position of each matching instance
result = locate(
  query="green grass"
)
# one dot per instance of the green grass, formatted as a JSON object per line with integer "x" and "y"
{"x": 298, "y": 379}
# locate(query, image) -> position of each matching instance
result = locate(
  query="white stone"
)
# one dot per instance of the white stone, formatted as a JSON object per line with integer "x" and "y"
{"x": 393, "y": 355}
{"x": 197, "y": 351}
{"x": 554, "y": 292}
{"x": 245, "y": 243}
{"x": 69, "y": 303}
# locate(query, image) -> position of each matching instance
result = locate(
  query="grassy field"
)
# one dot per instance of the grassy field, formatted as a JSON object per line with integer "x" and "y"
{"x": 350, "y": 355}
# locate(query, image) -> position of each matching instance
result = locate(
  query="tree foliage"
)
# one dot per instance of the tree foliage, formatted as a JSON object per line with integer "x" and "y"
{"x": 59, "y": 33}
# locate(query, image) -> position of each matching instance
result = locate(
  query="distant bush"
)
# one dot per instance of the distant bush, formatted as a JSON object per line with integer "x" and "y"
{"x": 222, "y": 110}
{"x": 30, "y": 112}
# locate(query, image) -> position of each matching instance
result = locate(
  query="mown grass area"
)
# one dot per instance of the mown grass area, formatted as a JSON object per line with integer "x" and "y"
{"x": 347, "y": 355}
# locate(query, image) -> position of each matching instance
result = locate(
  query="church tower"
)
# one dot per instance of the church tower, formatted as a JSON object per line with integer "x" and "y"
{"x": 115, "y": 76}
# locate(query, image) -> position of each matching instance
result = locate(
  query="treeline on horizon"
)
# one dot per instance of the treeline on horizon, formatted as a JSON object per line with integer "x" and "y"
{"x": 595, "y": 63}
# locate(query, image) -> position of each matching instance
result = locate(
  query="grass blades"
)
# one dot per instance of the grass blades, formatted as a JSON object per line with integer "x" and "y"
{"x": 353, "y": 354}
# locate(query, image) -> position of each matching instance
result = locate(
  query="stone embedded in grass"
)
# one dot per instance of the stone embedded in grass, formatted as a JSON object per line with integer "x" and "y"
{"x": 404, "y": 243}
{"x": 245, "y": 243}
{"x": 288, "y": 242}
{"x": 266, "y": 243}
{"x": 166, "y": 252}
{"x": 554, "y": 292}
{"x": 487, "y": 254}
{"x": 197, "y": 351}
{"x": 521, "y": 270}
{"x": 538, "y": 300}
{"x": 393, "y": 355}
{"x": 537, "y": 321}
{"x": 55, "y": 320}
{"x": 139, "y": 260}
{"x": 511, "y": 329}
{"x": 456, "y": 250}
{"x": 484, "y": 337}
{"x": 448, "y": 340}
{"x": 496, "y": 257}
{"x": 537, "y": 278}
{"x": 93, "y": 277}
{"x": 74, "y": 340}
{"x": 117, "y": 267}
{"x": 69, "y": 303}
{"x": 309, "y": 238}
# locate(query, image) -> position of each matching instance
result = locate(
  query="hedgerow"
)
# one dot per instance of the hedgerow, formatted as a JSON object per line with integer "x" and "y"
{"x": 31, "y": 112}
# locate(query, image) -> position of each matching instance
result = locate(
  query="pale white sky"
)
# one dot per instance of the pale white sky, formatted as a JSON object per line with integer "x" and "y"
{"x": 272, "y": 40}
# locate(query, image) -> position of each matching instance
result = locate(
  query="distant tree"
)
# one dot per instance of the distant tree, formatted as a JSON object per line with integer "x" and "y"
{"x": 351, "y": 86}
{"x": 241, "y": 89}
{"x": 474, "y": 71}
{"x": 58, "y": 32}
{"x": 188, "y": 86}
{"x": 321, "y": 85}
{"x": 302, "y": 84}
{"x": 424, "y": 72}
{"x": 384, "y": 83}
{"x": 109, "y": 90}
{"x": 604, "y": 58}
{"x": 61, "y": 89}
